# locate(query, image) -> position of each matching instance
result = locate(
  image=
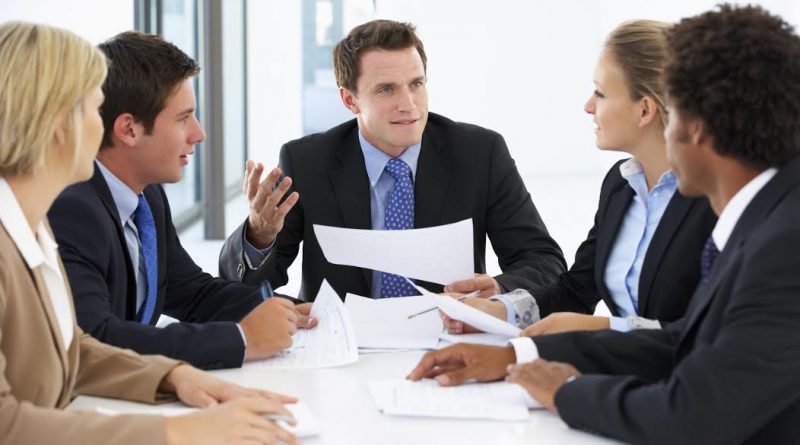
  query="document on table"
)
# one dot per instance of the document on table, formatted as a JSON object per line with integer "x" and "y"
{"x": 497, "y": 401}
{"x": 331, "y": 343}
{"x": 307, "y": 424}
{"x": 384, "y": 323}
{"x": 441, "y": 254}
{"x": 457, "y": 310}
{"x": 480, "y": 338}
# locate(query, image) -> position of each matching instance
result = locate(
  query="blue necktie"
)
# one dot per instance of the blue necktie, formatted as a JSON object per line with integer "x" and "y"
{"x": 707, "y": 258}
{"x": 143, "y": 218}
{"x": 399, "y": 215}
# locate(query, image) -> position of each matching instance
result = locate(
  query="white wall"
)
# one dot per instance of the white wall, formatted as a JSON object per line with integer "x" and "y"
{"x": 524, "y": 68}
{"x": 95, "y": 20}
{"x": 275, "y": 76}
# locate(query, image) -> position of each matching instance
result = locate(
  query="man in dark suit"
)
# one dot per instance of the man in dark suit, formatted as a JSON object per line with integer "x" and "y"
{"x": 345, "y": 177}
{"x": 125, "y": 263}
{"x": 728, "y": 371}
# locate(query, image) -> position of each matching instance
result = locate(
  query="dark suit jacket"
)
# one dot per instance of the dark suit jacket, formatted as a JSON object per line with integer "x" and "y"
{"x": 464, "y": 171}
{"x": 728, "y": 372}
{"x": 92, "y": 244}
{"x": 671, "y": 268}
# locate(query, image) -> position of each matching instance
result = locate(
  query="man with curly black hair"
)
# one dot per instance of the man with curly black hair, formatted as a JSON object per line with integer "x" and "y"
{"x": 728, "y": 372}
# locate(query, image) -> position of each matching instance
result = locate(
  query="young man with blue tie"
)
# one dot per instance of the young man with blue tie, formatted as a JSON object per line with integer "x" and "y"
{"x": 120, "y": 249}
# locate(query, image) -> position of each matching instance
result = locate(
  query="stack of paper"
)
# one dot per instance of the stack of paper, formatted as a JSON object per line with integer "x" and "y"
{"x": 480, "y": 338}
{"x": 384, "y": 323}
{"x": 331, "y": 343}
{"x": 498, "y": 400}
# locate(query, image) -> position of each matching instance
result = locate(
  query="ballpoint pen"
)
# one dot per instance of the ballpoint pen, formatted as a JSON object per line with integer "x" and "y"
{"x": 461, "y": 298}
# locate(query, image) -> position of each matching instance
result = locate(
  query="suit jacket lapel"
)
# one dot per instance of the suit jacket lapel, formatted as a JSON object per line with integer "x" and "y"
{"x": 618, "y": 205}
{"x": 99, "y": 184}
{"x": 55, "y": 330}
{"x": 351, "y": 187}
{"x": 673, "y": 217}
{"x": 434, "y": 169}
{"x": 759, "y": 208}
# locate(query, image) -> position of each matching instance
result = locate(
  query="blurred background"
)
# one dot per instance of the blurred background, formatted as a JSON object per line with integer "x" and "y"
{"x": 520, "y": 67}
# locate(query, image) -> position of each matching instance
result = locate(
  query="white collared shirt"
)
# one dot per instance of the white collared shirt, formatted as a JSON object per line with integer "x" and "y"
{"x": 38, "y": 249}
{"x": 735, "y": 207}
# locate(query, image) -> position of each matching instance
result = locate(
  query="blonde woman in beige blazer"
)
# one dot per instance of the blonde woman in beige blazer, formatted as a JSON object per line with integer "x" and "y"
{"x": 50, "y": 131}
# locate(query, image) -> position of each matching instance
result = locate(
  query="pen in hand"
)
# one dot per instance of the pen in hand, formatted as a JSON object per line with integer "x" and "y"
{"x": 461, "y": 298}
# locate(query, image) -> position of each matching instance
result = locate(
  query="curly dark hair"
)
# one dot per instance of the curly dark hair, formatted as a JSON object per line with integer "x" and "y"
{"x": 738, "y": 70}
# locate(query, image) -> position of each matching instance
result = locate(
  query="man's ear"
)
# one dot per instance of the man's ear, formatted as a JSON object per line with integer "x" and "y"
{"x": 349, "y": 100}
{"x": 126, "y": 129}
{"x": 697, "y": 132}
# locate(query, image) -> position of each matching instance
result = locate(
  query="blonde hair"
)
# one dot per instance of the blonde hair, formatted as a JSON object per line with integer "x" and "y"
{"x": 640, "y": 47}
{"x": 45, "y": 72}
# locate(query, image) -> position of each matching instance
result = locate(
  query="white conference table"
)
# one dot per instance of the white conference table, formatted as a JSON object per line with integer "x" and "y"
{"x": 339, "y": 399}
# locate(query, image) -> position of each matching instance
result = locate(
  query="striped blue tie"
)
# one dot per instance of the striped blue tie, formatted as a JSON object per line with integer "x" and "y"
{"x": 399, "y": 215}
{"x": 143, "y": 218}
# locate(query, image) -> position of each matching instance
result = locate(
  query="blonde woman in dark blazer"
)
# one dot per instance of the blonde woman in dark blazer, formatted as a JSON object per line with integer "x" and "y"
{"x": 50, "y": 131}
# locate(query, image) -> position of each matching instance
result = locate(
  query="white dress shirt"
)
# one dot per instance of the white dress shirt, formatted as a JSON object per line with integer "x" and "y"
{"x": 39, "y": 250}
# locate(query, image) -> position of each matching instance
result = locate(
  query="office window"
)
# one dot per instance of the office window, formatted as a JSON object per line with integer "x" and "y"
{"x": 179, "y": 26}
{"x": 190, "y": 25}
{"x": 322, "y": 28}
{"x": 234, "y": 69}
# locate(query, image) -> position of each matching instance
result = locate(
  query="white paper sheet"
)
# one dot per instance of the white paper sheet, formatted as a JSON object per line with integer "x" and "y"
{"x": 442, "y": 254}
{"x": 331, "y": 343}
{"x": 480, "y": 320}
{"x": 497, "y": 401}
{"x": 307, "y": 424}
{"x": 384, "y": 323}
{"x": 481, "y": 338}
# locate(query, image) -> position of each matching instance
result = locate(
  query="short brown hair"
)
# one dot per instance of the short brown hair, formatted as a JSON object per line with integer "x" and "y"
{"x": 640, "y": 47}
{"x": 377, "y": 34}
{"x": 144, "y": 70}
{"x": 737, "y": 69}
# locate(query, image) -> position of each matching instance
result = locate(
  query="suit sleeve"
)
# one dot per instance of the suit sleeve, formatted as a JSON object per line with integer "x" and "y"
{"x": 232, "y": 264}
{"x": 576, "y": 290}
{"x": 25, "y": 423}
{"x": 87, "y": 260}
{"x": 724, "y": 390}
{"x": 648, "y": 353}
{"x": 528, "y": 256}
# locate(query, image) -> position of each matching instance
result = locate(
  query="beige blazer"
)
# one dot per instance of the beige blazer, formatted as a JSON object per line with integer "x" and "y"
{"x": 38, "y": 377}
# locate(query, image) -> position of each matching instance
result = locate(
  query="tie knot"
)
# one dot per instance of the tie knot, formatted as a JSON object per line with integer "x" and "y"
{"x": 398, "y": 169}
{"x": 707, "y": 258}
{"x": 142, "y": 214}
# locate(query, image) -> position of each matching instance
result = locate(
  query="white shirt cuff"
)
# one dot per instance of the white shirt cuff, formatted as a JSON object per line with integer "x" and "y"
{"x": 244, "y": 340}
{"x": 525, "y": 349}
